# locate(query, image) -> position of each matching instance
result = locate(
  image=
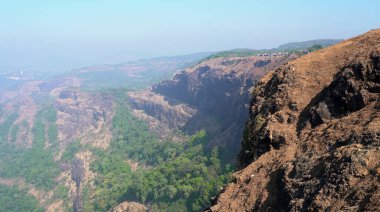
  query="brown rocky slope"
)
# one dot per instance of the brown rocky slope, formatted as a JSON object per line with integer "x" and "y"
{"x": 312, "y": 142}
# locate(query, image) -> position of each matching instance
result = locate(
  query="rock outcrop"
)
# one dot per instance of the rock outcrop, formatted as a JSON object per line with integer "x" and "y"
{"x": 85, "y": 117}
{"x": 312, "y": 142}
{"x": 130, "y": 207}
{"x": 172, "y": 113}
{"x": 212, "y": 95}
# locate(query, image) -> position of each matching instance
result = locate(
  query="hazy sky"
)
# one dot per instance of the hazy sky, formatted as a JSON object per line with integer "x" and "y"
{"x": 65, "y": 34}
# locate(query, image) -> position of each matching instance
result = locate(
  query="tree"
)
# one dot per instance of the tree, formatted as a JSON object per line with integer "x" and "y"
{"x": 315, "y": 47}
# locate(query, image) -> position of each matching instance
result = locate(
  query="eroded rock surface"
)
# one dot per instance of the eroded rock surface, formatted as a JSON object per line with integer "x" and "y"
{"x": 85, "y": 117}
{"x": 130, "y": 207}
{"x": 212, "y": 95}
{"x": 312, "y": 142}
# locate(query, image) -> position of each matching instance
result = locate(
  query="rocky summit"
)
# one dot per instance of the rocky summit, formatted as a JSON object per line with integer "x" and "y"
{"x": 312, "y": 142}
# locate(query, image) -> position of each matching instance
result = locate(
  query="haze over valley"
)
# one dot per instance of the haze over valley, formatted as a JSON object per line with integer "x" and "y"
{"x": 260, "y": 107}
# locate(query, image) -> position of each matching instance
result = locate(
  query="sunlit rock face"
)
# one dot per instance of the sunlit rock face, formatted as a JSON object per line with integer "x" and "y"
{"x": 313, "y": 136}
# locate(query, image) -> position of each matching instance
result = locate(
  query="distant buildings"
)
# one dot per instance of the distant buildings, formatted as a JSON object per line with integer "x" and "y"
{"x": 18, "y": 76}
{"x": 274, "y": 54}
{"x": 14, "y": 77}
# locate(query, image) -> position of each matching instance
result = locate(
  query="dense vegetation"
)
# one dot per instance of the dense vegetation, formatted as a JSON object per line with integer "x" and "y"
{"x": 35, "y": 164}
{"x": 315, "y": 48}
{"x": 6, "y": 126}
{"x": 32, "y": 165}
{"x": 171, "y": 175}
{"x": 187, "y": 181}
{"x": 177, "y": 175}
{"x": 14, "y": 200}
{"x": 307, "y": 44}
{"x": 72, "y": 148}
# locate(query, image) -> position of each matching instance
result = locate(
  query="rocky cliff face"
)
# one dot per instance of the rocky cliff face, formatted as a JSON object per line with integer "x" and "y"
{"x": 83, "y": 117}
{"x": 313, "y": 137}
{"x": 212, "y": 95}
{"x": 165, "y": 113}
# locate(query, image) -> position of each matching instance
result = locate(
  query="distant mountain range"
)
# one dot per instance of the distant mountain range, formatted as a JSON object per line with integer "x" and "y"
{"x": 163, "y": 134}
{"x": 308, "y": 44}
{"x": 288, "y": 47}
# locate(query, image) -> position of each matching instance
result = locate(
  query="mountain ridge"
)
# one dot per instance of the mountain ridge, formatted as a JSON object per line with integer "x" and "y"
{"x": 212, "y": 95}
{"x": 313, "y": 133}
{"x": 309, "y": 43}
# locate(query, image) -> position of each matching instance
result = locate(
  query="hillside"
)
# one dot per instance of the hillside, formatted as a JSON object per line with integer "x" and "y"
{"x": 308, "y": 44}
{"x": 293, "y": 47}
{"x": 312, "y": 139}
{"x": 58, "y": 136}
{"x": 211, "y": 96}
{"x": 77, "y": 142}
{"x": 133, "y": 75}
{"x": 117, "y": 137}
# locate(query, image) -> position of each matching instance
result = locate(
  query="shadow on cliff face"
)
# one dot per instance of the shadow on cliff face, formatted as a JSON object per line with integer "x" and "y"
{"x": 76, "y": 176}
{"x": 266, "y": 100}
{"x": 220, "y": 132}
{"x": 278, "y": 198}
{"x": 220, "y": 100}
{"x": 333, "y": 163}
{"x": 353, "y": 87}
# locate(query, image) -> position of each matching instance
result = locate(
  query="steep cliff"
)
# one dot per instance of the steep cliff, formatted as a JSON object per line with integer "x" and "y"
{"x": 212, "y": 95}
{"x": 312, "y": 141}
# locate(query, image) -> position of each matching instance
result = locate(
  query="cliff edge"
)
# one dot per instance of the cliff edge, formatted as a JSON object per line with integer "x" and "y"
{"x": 212, "y": 95}
{"x": 312, "y": 141}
